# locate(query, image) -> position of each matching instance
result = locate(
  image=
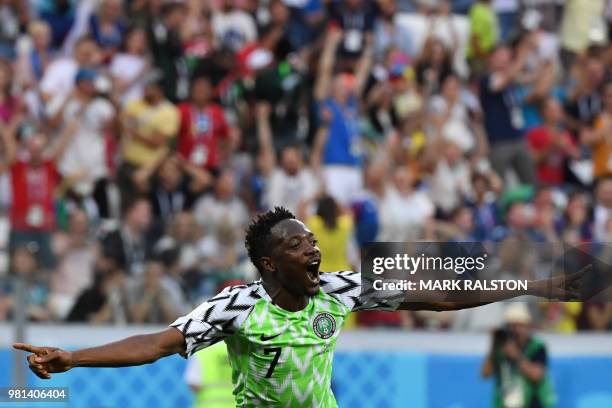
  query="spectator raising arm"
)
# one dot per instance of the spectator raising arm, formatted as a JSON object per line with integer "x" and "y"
{"x": 500, "y": 80}
{"x": 326, "y": 64}
{"x": 10, "y": 144}
{"x": 264, "y": 137}
{"x": 362, "y": 71}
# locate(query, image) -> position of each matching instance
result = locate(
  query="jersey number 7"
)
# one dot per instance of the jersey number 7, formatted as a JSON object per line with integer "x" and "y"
{"x": 277, "y": 353}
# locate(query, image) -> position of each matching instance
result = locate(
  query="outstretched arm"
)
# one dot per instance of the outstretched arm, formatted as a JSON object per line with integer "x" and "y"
{"x": 562, "y": 287}
{"x": 132, "y": 351}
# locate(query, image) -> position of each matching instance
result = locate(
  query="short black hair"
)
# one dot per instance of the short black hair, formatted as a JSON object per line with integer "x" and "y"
{"x": 258, "y": 232}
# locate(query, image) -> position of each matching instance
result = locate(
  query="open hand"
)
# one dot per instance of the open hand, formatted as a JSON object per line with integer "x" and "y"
{"x": 563, "y": 287}
{"x": 46, "y": 360}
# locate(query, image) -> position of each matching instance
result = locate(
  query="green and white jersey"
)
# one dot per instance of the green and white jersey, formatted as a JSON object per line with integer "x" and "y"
{"x": 279, "y": 358}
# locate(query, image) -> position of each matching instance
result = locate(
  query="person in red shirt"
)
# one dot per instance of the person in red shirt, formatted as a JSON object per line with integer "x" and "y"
{"x": 551, "y": 144}
{"x": 34, "y": 180}
{"x": 205, "y": 138}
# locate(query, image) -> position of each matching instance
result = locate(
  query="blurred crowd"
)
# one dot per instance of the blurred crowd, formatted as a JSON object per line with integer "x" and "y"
{"x": 138, "y": 138}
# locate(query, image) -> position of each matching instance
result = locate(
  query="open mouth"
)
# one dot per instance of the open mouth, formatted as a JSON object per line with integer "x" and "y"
{"x": 312, "y": 270}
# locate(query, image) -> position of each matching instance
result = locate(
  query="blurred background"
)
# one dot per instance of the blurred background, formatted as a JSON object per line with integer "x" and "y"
{"x": 138, "y": 138}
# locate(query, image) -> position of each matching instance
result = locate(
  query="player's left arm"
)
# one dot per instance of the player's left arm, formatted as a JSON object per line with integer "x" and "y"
{"x": 564, "y": 287}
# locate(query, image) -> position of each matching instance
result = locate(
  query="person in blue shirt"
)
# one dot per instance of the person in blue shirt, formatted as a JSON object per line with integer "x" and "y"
{"x": 337, "y": 149}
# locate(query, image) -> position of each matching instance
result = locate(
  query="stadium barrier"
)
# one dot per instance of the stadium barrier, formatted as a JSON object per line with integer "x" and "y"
{"x": 372, "y": 369}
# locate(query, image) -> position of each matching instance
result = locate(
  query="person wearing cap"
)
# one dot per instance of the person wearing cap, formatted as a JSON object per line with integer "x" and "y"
{"x": 90, "y": 117}
{"x": 518, "y": 362}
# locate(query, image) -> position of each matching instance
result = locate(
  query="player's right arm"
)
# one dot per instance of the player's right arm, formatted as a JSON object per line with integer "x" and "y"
{"x": 132, "y": 351}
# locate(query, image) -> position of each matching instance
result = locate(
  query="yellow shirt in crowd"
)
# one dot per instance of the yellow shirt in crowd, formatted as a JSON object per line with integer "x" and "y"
{"x": 146, "y": 119}
{"x": 333, "y": 243}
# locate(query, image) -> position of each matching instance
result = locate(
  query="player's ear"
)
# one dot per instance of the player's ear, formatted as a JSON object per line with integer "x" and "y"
{"x": 267, "y": 265}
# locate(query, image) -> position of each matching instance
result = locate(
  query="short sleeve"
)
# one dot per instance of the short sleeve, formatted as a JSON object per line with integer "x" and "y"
{"x": 167, "y": 121}
{"x": 215, "y": 319}
{"x": 347, "y": 287}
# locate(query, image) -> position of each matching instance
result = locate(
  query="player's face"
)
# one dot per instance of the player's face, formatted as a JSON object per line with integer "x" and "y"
{"x": 296, "y": 258}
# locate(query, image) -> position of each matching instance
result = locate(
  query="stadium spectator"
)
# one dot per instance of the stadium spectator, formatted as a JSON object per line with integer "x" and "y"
{"x": 128, "y": 66}
{"x": 462, "y": 223}
{"x": 233, "y": 28}
{"x": 149, "y": 124}
{"x": 105, "y": 301}
{"x": 289, "y": 184}
{"x": 77, "y": 252}
{"x": 602, "y": 225}
{"x": 172, "y": 187}
{"x": 222, "y": 259}
{"x": 595, "y": 316}
{"x": 223, "y": 207}
{"x": 33, "y": 61}
{"x": 59, "y": 77}
{"x": 107, "y": 28}
{"x": 166, "y": 46}
{"x": 13, "y": 16}
{"x": 584, "y": 102}
{"x": 34, "y": 286}
{"x": 205, "y": 138}
{"x": 282, "y": 84}
{"x": 484, "y": 32}
{"x": 397, "y": 225}
{"x": 450, "y": 115}
{"x": 338, "y": 148}
{"x": 518, "y": 362}
{"x": 575, "y": 227}
{"x": 10, "y": 105}
{"x": 334, "y": 231}
{"x": 34, "y": 178}
{"x": 502, "y": 109}
{"x": 127, "y": 247}
{"x": 153, "y": 297}
{"x": 389, "y": 36}
{"x": 433, "y": 64}
{"x": 552, "y": 145}
{"x": 450, "y": 175}
{"x": 85, "y": 159}
{"x": 484, "y": 204}
{"x": 582, "y": 25}
{"x": 179, "y": 250}
{"x": 599, "y": 139}
{"x": 355, "y": 19}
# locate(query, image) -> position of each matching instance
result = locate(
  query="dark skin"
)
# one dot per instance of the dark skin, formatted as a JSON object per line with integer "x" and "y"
{"x": 290, "y": 275}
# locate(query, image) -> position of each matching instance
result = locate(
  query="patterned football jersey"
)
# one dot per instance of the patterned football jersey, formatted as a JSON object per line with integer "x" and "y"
{"x": 279, "y": 358}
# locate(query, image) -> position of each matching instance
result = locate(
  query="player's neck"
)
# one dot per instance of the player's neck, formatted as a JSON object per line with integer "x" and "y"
{"x": 286, "y": 300}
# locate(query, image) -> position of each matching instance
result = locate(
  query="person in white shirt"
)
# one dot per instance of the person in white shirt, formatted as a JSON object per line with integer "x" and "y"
{"x": 223, "y": 207}
{"x": 233, "y": 28}
{"x": 450, "y": 114}
{"x": 405, "y": 214}
{"x": 58, "y": 80}
{"x": 127, "y": 67}
{"x": 85, "y": 157}
{"x": 289, "y": 184}
{"x": 450, "y": 177}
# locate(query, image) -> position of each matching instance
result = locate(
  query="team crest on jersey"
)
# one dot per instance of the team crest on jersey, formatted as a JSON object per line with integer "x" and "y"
{"x": 324, "y": 325}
